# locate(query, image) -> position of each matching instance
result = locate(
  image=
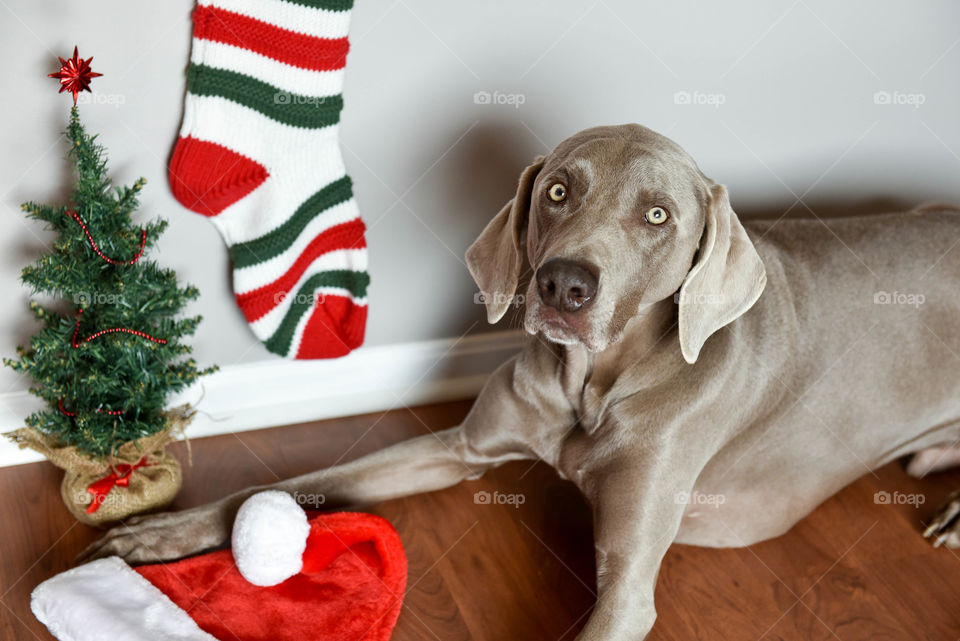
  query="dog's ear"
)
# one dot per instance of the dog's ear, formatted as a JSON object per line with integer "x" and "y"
{"x": 726, "y": 278}
{"x": 496, "y": 257}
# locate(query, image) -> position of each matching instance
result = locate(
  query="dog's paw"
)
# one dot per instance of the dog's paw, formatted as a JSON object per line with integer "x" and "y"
{"x": 944, "y": 528}
{"x": 160, "y": 537}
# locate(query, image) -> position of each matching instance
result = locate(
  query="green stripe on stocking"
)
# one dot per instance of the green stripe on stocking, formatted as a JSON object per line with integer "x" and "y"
{"x": 329, "y": 5}
{"x": 283, "y": 106}
{"x": 354, "y": 282}
{"x": 279, "y": 240}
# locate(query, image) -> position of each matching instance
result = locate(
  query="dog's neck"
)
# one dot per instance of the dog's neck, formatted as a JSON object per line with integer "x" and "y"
{"x": 647, "y": 336}
{"x": 650, "y": 328}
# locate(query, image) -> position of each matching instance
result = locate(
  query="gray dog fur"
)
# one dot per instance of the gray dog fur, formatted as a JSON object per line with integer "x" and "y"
{"x": 767, "y": 363}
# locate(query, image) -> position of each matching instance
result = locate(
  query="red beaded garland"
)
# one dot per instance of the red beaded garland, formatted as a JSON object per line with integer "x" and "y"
{"x": 69, "y": 413}
{"x": 93, "y": 243}
{"x": 112, "y": 330}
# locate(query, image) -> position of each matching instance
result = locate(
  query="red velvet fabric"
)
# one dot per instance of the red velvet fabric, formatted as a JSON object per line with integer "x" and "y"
{"x": 351, "y": 587}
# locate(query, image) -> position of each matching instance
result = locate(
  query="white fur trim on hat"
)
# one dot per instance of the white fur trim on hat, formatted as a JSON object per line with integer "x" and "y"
{"x": 106, "y": 599}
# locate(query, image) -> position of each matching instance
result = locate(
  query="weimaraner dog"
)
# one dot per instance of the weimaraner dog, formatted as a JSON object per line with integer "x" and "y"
{"x": 700, "y": 380}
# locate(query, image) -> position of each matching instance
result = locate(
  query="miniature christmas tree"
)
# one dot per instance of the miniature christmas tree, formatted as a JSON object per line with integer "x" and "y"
{"x": 107, "y": 366}
{"x": 110, "y": 352}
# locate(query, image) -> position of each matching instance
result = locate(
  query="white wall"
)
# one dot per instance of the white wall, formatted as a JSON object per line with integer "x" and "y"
{"x": 798, "y": 117}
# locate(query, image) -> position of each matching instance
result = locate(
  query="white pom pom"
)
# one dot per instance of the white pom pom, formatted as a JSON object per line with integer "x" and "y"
{"x": 269, "y": 537}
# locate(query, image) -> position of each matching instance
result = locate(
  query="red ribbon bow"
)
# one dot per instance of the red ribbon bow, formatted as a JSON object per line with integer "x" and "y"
{"x": 119, "y": 476}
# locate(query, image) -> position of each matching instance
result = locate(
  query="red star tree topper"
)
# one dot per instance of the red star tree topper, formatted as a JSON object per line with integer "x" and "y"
{"x": 75, "y": 75}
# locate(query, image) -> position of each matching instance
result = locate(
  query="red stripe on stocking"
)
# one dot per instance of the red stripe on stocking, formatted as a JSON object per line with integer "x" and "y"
{"x": 290, "y": 47}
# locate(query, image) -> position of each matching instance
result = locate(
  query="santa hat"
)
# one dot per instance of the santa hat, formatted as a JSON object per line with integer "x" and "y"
{"x": 337, "y": 577}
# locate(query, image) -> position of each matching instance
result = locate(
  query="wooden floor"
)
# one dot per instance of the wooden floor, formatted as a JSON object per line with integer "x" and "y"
{"x": 853, "y": 570}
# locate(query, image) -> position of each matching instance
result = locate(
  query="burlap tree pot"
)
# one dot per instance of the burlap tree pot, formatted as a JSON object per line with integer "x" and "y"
{"x": 140, "y": 477}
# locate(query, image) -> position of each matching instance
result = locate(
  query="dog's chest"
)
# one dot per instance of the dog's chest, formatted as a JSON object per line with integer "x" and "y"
{"x": 594, "y": 383}
{"x": 586, "y": 388}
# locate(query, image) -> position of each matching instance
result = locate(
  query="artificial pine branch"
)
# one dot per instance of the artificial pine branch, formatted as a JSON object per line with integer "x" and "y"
{"x": 117, "y": 372}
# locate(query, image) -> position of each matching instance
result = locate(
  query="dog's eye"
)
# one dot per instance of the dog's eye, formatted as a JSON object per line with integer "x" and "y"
{"x": 557, "y": 192}
{"x": 656, "y": 215}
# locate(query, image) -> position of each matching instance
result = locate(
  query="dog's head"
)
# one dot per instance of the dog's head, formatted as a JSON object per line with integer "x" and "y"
{"x": 612, "y": 220}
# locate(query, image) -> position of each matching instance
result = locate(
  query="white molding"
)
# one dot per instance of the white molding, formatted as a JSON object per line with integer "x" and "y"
{"x": 282, "y": 392}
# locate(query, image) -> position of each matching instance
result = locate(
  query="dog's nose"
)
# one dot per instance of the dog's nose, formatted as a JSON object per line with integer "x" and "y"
{"x": 565, "y": 285}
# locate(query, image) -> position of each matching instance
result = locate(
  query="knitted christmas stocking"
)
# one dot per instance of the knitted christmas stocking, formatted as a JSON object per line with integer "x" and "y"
{"x": 259, "y": 154}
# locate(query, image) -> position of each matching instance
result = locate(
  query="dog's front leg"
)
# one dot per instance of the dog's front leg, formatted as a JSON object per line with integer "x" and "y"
{"x": 486, "y": 438}
{"x": 421, "y": 464}
{"x": 636, "y": 517}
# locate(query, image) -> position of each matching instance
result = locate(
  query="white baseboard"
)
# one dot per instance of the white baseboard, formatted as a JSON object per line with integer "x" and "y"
{"x": 282, "y": 392}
